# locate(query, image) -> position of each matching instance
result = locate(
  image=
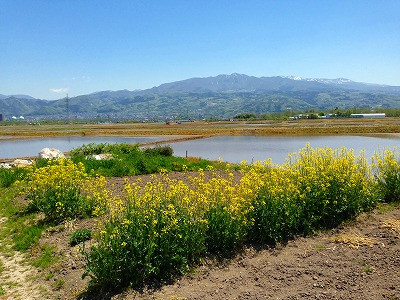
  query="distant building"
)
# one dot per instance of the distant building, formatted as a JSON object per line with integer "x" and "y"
{"x": 2, "y": 117}
{"x": 369, "y": 116}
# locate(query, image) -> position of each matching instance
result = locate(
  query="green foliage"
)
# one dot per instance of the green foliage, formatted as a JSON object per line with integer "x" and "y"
{"x": 151, "y": 248}
{"x": 57, "y": 191}
{"x": 245, "y": 116}
{"x": 93, "y": 148}
{"x": 9, "y": 176}
{"x": 168, "y": 226}
{"x": 160, "y": 150}
{"x": 224, "y": 234}
{"x": 387, "y": 173}
{"x": 131, "y": 160}
{"x": 319, "y": 189}
{"x": 80, "y": 236}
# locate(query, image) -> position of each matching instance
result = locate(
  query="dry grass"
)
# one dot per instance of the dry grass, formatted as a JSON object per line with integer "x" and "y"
{"x": 354, "y": 240}
{"x": 392, "y": 224}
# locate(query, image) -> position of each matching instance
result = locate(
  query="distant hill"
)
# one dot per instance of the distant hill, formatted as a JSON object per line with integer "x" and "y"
{"x": 243, "y": 83}
{"x": 218, "y": 96}
{"x": 16, "y": 96}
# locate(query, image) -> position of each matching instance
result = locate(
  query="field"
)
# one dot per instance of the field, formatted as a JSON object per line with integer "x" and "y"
{"x": 323, "y": 225}
{"x": 263, "y": 128}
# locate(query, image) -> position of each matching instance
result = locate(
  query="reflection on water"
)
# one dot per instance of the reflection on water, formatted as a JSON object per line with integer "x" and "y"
{"x": 251, "y": 148}
{"x": 229, "y": 148}
{"x": 31, "y": 147}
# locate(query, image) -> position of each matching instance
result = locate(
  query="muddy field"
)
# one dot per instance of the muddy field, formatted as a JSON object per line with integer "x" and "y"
{"x": 257, "y": 128}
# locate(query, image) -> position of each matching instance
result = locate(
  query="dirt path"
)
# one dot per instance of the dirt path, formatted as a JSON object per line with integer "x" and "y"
{"x": 16, "y": 279}
{"x": 358, "y": 261}
{"x": 16, "y": 276}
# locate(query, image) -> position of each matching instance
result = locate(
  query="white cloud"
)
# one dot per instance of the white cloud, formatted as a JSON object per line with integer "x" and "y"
{"x": 59, "y": 90}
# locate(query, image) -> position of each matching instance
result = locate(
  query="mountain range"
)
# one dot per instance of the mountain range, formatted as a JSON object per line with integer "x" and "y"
{"x": 221, "y": 96}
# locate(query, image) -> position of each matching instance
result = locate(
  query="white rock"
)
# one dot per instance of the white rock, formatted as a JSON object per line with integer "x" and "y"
{"x": 21, "y": 163}
{"x": 5, "y": 166}
{"x": 103, "y": 156}
{"x": 50, "y": 153}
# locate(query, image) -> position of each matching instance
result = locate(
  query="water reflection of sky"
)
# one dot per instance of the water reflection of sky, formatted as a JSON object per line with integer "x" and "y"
{"x": 31, "y": 147}
{"x": 230, "y": 148}
{"x": 250, "y": 148}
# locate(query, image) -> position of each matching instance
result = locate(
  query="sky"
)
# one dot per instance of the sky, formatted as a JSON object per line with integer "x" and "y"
{"x": 50, "y": 48}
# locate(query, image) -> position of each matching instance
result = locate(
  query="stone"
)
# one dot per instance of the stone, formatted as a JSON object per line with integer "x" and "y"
{"x": 5, "y": 166}
{"x": 21, "y": 163}
{"x": 103, "y": 156}
{"x": 50, "y": 153}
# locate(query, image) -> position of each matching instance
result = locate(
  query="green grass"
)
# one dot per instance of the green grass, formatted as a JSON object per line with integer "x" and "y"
{"x": 58, "y": 284}
{"x": 368, "y": 269}
{"x": 27, "y": 236}
{"x": 19, "y": 229}
{"x": 49, "y": 276}
{"x": 9, "y": 176}
{"x": 46, "y": 258}
{"x": 131, "y": 160}
{"x": 383, "y": 208}
{"x": 8, "y": 205}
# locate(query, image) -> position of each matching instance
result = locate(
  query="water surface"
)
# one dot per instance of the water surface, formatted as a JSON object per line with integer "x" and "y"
{"x": 233, "y": 149}
{"x": 237, "y": 148}
{"x": 31, "y": 147}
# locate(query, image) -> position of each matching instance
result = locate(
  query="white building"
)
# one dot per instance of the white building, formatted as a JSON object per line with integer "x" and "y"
{"x": 369, "y": 116}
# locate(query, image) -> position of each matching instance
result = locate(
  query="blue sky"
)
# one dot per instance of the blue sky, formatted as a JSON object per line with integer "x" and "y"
{"x": 50, "y": 47}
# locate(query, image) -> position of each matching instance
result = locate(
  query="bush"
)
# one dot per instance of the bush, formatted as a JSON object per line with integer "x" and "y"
{"x": 160, "y": 150}
{"x": 58, "y": 190}
{"x": 387, "y": 174}
{"x": 80, "y": 236}
{"x": 131, "y": 160}
{"x": 94, "y": 148}
{"x": 168, "y": 225}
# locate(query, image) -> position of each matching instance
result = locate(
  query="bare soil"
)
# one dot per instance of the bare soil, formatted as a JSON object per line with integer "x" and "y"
{"x": 358, "y": 260}
{"x": 341, "y": 126}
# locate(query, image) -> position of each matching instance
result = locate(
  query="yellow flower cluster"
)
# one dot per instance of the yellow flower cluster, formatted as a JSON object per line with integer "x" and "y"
{"x": 63, "y": 190}
{"x": 160, "y": 227}
{"x": 386, "y": 168}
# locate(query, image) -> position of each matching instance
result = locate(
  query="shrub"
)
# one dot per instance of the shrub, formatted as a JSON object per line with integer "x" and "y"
{"x": 160, "y": 150}
{"x": 167, "y": 225}
{"x": 80, "y": 236}
{"x": 94, "y": 148}
{"x": 387, "y": 173}
{"x": 58, "y": 190}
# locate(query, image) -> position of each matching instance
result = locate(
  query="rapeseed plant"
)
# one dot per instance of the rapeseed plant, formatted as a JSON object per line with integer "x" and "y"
{"x": 386, "y": 167}
{"x": 167, "y": 225}
{"x": 63, "y": 190}
{"x": 157, "y": 230}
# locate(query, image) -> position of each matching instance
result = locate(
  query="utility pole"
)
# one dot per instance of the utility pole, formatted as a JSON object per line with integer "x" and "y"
{"x": 68, "y": 117}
